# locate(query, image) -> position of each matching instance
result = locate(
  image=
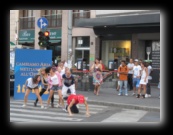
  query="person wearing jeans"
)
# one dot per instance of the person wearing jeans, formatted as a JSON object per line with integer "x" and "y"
{"x": 123, "y": 73}
{"x": 130, "y": 66}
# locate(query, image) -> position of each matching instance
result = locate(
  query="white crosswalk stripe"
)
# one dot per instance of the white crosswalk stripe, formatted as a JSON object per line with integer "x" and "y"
{"x": 30, "y": 113}
{"x": 126, "y": 115}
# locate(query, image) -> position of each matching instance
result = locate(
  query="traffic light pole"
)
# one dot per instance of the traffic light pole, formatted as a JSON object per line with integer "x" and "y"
{"x": 69, "y": 38}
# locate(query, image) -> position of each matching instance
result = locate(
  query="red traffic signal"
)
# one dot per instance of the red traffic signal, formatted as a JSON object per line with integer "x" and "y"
{"x": 46, "y": 33}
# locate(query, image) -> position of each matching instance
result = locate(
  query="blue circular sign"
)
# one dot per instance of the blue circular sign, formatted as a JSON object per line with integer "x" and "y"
{"x": 42, "y": 23}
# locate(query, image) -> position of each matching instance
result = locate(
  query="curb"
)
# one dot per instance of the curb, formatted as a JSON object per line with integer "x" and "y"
{"x": 128, "y": 106}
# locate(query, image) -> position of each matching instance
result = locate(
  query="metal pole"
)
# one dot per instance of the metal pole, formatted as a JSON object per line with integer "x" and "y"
{"x": 17, "y": 33}
{"x": 69, "y": 38}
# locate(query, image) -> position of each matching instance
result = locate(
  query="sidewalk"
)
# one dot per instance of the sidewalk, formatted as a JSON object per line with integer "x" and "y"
{"x": 109, "y": 96}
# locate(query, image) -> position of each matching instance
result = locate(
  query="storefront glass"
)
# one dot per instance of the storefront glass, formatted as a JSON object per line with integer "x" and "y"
{"x": 115, "y": 50}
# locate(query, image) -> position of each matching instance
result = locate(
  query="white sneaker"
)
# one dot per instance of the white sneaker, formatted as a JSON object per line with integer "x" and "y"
{"x": 126, "y": 94}
{"x": 149, "y": 95}
{"x": 23, "y": 105}
{"x": 42, "y": 107}
{"x": 119, "y": 94}
{"x": 77, "y": 106}
{"x": 58, "y": 106}
{"x": 146, "y": 95}
{"x": 133, "y": 94}
{"x": 47, "y": 107}
{"x": 64, "y": 109}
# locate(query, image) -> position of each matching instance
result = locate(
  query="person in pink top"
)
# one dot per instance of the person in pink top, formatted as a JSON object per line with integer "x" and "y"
{"x": 55, "y": 85}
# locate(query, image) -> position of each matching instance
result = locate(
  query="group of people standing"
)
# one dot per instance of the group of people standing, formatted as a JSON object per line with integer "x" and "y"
{"x": 56, "y": 79}
{"x": 137, "y": 75}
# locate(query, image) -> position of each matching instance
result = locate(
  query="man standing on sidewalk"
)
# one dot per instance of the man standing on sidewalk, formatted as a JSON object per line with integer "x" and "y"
{"x": 136, "y": 76}
{"x": 123, "y": 73}
{"x": 130, "y": 66}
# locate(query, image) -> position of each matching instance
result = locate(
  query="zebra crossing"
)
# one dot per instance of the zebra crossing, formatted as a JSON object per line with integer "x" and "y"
{"x": 30, "y": 113}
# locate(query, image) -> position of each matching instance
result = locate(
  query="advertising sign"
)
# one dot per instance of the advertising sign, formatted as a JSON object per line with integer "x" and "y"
{"x": 27, "y": 64}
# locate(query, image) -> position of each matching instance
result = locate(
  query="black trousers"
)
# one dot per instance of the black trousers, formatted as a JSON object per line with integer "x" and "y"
{"x": 130, "y": 81}
{"x": 41, "y": 93}
{"x": 73, "y": 109}
{"x": 148, "y": 87}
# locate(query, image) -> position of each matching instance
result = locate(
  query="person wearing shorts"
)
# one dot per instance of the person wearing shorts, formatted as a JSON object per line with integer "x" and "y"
{"x": 54, "y": 84}
{"x": 144, "y": 80}
{"x": 136, "y": 76}
{"x": 68, "y": 83}
{"x": 44, "y": 79}
{"x": 32, "y": 83}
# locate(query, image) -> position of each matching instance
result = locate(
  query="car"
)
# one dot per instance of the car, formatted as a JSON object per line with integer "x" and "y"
{"x": 11, "y": 82}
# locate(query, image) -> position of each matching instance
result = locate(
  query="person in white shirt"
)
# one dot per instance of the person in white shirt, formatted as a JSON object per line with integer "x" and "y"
{"x": 65, "y": 64}
{"x": 148, "y": 93}
{"x": 32, "y": 83}
{"x": 61, "y": 68}
{"x": 136, "y": 76}
{"x": 130, "y": 74}
{"x": 143, "y": 81}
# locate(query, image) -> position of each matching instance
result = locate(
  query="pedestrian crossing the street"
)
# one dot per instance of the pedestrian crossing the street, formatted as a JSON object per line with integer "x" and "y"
{"x": 30, "y": 113}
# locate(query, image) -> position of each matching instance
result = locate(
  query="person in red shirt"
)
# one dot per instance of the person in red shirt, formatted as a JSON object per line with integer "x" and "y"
{"x": 73, "y": 100}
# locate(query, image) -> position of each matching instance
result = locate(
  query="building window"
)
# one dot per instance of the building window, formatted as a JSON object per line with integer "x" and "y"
{"x": 115, "y": 50}
{"x": 54, "y": 18}
{"x": 83, "y": 41}
{"x": 80, "y": 14}
{"x": 27, "y": 21}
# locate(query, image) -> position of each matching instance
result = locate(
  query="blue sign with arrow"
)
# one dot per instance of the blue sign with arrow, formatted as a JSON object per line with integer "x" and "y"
{"x": 42, "y": 23}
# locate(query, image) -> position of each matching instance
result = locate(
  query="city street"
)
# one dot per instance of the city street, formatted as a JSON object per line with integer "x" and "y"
{"x": 99, "y": 113}
{"x": 111, "y": 57}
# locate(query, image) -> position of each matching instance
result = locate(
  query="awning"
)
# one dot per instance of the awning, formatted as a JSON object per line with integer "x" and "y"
{"x": 11, "y": 43}
{"x": 145, "y": 19}
{"x": 23, "y": 42}
{"x": 55, "y": 41}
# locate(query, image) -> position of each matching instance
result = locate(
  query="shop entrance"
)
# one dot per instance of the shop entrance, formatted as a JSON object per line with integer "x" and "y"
{"x": 84, "y": 54}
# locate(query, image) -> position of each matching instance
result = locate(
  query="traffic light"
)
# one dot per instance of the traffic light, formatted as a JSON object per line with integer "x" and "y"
{"x": 46, "y": 37}
{"x": 43, "y": 38}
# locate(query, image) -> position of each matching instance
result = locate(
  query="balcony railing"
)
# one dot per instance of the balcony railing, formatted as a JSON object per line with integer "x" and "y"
{"x": 78, "y": 15}
{"x": 54, "y": 20}
{"x": 26, "y": 22}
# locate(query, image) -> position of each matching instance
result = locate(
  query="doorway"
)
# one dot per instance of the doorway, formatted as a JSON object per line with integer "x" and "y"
{"x": 84, "y": 54}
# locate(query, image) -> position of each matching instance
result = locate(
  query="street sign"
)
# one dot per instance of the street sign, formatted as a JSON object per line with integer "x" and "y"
{"x": 42, "y": 23}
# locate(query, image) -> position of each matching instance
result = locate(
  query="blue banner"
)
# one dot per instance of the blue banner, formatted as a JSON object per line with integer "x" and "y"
{"x": 27, "y": 64}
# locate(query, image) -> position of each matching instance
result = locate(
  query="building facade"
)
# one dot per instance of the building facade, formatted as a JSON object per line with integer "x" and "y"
{"x": 111, "y": 35}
